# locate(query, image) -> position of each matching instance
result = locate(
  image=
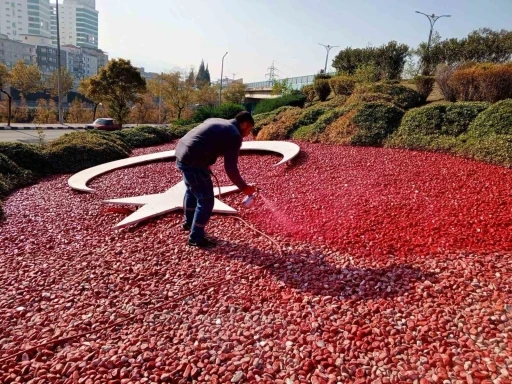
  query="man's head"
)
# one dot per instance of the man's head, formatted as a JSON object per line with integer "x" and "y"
{"x": 245, "y": 122}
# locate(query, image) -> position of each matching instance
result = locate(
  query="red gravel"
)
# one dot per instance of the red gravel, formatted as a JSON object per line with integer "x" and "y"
{"x": 397, "y": 269}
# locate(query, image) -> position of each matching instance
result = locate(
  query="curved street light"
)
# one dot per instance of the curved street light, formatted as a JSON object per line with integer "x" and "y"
{"x": 221, "y": 74}
{"x": 432, "y": 19}
{"x": 328, "y": 49}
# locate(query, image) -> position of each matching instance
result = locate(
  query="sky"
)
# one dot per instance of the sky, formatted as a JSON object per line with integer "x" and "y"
{"x": 161, "y": 35}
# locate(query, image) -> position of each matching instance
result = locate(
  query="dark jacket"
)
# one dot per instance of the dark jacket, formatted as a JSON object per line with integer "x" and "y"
{"x": 205, "y": 143}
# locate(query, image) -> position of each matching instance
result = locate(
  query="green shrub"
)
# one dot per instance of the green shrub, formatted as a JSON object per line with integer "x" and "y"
{"x": 113, "y": 138}
{"x": 263, "y": 119}
{"x": 74, "y": 152}
{"x": 137, "y": 139}
{"x": 342, "y": 85}
{"x": 356, "y": 98}
{"x": 164, "y": 135}
{"x": 313, "y": 131}
{"x": 492, "y": 148}
{"x": 364, "y": 124}
{"x": 322, "y": 76}
{"x": 403, "y": 97}
{"x": 309, "y": 116}
{"x": 424, "y": 86}
{"x": 367, "y": 73}
{"x": 281, "y": 126}
{"x": 443, "y": 76}
{"x": 335, "y": 102}
{"x": 309, "y": 92}
{"x": 182, "y": 130}
{"x": 459, "y": 116}
{"x": 27, "y": 156}
{"x": 292, "y": 100}
{"x": 322, "y": 89}
{"x": 223, "y": 111}
{"x": 12, "y": 176}
{"x": 497, "y": 119}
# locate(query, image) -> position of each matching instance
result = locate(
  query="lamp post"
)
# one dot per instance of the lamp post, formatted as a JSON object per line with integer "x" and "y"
{"x": 432, "y": 20}
{"x": 221, "y": 75}
{"x": 328, "y": 49}
{"x": 59, "y": 78}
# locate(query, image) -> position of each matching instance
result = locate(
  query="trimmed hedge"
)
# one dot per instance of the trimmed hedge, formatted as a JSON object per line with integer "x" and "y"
{"x": 492, "y": 148}
{"x": 497, "y": 119}
{"x": 403, "y": 97}
{"x": 364, "y": 124}
{"x": 357, "y": 98}
{"x": 223, "y": 111}
{"x": 137, "y": 139}
{"x": 12, "y": 176}
{"x": 313, "y": 131}
{"x": 342, "y": 85}
{"x": 27, "y": 156}
{"x": 263, "y": 119}
{"x": 436, "y": 126}
{"x": 74, "y": 152}
{"x": 294, "y": 99}
{"x": 112, "y": 138}
{"x": 281, "y": 126}
{"x": 322, "y": 88}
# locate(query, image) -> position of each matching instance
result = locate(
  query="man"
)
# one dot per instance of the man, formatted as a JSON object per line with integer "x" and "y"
{"x": 195, "y": 153}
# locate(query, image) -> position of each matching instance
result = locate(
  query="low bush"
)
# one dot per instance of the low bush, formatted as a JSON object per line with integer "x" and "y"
{"x": 137, "y": 139}
{"x": 113, "y": 138}
{"x": 356, "y": 98}
{"x": 403, "y": 97}
{"x": 74, "y": 152}
{"x": 364, "y": 124}
{"x": 27, "y": 156}
{"x": 313, "y": 131}
{"x": 492, "y": 148}
{"x": 335, "y": 102}
{"x": 223, "y": 111}
{"x": 424, "y": 86}
{"x": 309, "y": 92}
{"x": 181, "y": 130}
{"x": 310, "y": 116}
{"x": 322, "y": 89}
{"x": 482, "y": 82}
{"x": 261, "y": 120}
{"x": 281, "y": 126}
{"x": 292, "y": 100}
{"x": 342, "y": 85}
{"x": 12, "y": 176}
{"x": 436, "y": 127}
{"x": 497, "y": 119}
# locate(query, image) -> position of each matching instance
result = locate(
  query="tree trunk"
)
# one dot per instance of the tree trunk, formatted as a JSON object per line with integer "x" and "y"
{"x": 10, "y": 107}
{"x": 94, "y": 112}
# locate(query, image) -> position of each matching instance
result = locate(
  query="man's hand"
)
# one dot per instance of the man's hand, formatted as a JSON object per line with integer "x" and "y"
{"x": 249, "y": 190}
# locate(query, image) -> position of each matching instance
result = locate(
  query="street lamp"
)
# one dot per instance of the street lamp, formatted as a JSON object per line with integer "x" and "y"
{"x": 432, "y": 19}
{"x": 59, "y": 78}
{"x": 221, "y": 75}
{"x": 328, "y": 49}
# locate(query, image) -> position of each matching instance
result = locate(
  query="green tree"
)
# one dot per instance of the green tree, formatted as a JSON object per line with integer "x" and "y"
{"x": 52, "y": 84}
{"x": 94, "y": 94}
{"x": 201, "y": 75}
{"x": 26, "y": 78}
{"x": 207, "y": 77}
{"x": 235, "y": 92}
{"x": 281, "y": 87}
{"x": 191, "y": 77}
{"x": 119, "y": 84}
{"x": 5, "y": 77}
{"x": 176, "y": 91}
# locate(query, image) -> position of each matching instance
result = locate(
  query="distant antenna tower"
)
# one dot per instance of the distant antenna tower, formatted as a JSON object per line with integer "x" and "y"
{"x": 272, "y": 76}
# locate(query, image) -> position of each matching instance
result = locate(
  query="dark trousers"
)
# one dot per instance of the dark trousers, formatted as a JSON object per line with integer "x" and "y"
{"x": 199, "y": 198}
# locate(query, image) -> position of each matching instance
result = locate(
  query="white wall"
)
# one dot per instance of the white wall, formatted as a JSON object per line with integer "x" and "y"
{"x": 20, "y": 18}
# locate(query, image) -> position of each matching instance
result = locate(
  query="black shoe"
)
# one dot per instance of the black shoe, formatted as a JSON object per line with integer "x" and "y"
{"x": 203, "y": 243}
{"x": 186, "y": 227}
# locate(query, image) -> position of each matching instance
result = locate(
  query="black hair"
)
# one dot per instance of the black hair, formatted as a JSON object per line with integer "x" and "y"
{"x": 243, "y": 117}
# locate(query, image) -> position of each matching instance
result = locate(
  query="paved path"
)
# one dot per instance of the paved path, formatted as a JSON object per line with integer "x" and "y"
{"x": 30, "y": 136}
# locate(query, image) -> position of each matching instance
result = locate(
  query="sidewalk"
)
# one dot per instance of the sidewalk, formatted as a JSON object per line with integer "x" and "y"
{"x": 21, "y": 126}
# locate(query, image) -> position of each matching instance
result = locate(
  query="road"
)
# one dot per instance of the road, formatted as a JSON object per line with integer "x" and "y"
{"x": 30, "y": 135}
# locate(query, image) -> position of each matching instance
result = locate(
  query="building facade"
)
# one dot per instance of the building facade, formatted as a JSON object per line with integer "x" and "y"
{"x": 25, "y": 17}
{"x": 47, "y": 59}
{"x": 11, "y": 51}
{"x": 78, "y": 23}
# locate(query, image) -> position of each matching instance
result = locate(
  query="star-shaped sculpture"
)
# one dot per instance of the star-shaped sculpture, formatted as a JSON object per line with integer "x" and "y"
{"x": 161, "y": 203}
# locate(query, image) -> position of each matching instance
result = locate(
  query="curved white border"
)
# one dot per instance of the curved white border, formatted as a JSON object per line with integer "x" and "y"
{"x": 79, "y": 180}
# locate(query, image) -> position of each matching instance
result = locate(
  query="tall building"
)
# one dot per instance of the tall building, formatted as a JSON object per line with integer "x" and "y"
{"x": 25, "y": 17}
{"x": 78, "y": 23}
{"x": 11, "y": 51}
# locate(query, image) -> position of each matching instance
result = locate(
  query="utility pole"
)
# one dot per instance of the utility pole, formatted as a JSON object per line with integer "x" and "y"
{"x": 234, "y": 76}
{"x": 328, "y": 49}
{"x": 432, "y": 19}
{"x": 221, "y": 75}
{"x": 272, "y": 73}
{"x": 59, "y": 79}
